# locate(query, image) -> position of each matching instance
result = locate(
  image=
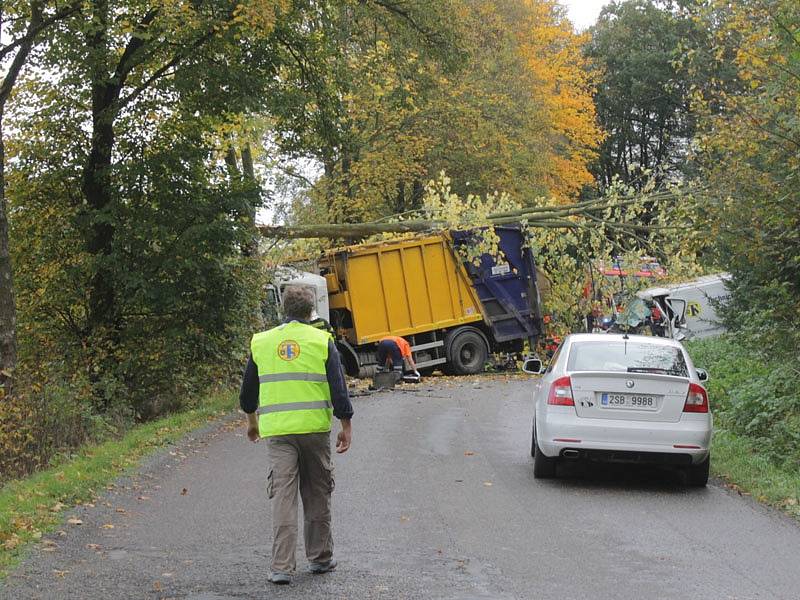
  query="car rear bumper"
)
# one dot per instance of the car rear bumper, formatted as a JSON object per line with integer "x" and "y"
{"x": 627, "y": 441}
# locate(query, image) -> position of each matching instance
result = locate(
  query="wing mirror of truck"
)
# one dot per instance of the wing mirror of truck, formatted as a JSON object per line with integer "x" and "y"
{"x": 702, "y": 374}
{"x": 534, "y": 366}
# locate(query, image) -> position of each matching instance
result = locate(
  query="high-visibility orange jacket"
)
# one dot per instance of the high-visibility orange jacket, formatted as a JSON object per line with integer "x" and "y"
{"x": 405, "y": 347}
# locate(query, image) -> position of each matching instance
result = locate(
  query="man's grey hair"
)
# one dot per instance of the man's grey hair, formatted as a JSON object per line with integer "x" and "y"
{"x": 298, "y": 302}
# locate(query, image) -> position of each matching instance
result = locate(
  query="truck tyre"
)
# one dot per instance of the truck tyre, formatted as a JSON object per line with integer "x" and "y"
{"x": 468, "y": 353}
{"x": 697, "y": 475}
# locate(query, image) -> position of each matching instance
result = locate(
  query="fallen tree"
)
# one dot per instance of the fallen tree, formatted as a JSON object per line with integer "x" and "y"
{"x": 606, "y": 211}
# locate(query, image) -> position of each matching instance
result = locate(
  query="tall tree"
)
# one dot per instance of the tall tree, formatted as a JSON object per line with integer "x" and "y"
{"x": 561, "y": 89}
{"x": 642, "y": 97}
{"x": 502, "y": 103}
{"x": 749, "y": 147}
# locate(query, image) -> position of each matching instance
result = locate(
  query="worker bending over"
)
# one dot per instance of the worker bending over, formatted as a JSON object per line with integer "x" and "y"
{"x": 394, "y": 353}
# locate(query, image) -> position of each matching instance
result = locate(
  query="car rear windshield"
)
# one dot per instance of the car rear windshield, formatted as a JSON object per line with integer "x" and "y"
{"x": 631, "y": 357}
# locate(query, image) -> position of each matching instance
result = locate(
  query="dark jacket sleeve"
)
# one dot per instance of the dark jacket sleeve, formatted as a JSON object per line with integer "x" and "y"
{"x": 248, "y": 395}
{"x": 342, "y": 408}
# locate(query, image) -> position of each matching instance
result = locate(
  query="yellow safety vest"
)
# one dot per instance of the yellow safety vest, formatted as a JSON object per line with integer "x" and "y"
{"x": 294, "y": 395}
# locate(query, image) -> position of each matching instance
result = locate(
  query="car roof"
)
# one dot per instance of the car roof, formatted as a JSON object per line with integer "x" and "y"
{"x": 617, "y": 337}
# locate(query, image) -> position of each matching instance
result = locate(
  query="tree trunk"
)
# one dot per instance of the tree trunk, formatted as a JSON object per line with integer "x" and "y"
{"x": 249, "y": 172}
{"x": 8, "y": 307}
{"x": 96, "y": 183}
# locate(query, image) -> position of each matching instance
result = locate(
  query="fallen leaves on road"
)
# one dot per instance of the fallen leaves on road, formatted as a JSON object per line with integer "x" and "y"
{"x": 74, "y": 521}
{"x": 488, "y": 483}
{"x": 122, "y": 511}
{"x": 107, "y": 526}
{"x": 94, "y": 547}
{"x": 184, "y": 491}
{"x": 469, "y": 453}
{"x": 58, "y": 573}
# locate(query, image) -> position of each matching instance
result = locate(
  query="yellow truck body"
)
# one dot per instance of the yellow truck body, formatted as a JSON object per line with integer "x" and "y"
{"x": 400, "y": 287}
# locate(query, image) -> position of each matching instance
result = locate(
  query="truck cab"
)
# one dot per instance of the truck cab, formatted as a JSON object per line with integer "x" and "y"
{"x": 285, "y": 276}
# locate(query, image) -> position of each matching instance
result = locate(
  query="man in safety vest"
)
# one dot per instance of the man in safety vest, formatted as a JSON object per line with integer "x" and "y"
{"x": 293, "y": 385}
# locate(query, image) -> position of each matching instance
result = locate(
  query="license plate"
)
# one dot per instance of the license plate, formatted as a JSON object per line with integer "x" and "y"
{"x": 631, "y": 401}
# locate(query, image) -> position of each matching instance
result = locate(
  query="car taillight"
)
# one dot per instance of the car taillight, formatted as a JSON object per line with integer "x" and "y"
{"x": 696, "y": 400}
{"x": 561, "y": 392}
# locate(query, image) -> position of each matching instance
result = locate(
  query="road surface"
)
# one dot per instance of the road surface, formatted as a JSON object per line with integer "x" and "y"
{"x": 436, "y": 499}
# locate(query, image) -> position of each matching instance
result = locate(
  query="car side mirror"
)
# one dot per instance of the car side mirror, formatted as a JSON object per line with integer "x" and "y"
{"x": 534, "y": 366}
{"x": 702, "y": 374}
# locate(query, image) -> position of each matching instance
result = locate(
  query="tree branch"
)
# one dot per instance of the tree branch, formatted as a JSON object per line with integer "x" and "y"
{"x": 164, "y": 69}
{"x": 24, "y": 49}
{"x": 129, "y": 60}
{"x": 43, "y": 24}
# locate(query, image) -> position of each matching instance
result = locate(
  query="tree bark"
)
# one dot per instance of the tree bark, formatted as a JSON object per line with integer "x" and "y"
{"x": 96, "y": 188}
{"x": 249, "y": 172}
{"x": 8, "y": 307}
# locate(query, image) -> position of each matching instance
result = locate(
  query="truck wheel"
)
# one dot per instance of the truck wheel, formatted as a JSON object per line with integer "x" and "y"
{"x": 468, "y": 353}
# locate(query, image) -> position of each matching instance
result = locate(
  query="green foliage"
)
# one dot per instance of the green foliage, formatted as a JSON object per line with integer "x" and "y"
{"x": 748, "y": 146}
{"x": 753, "y": 393}
{"x": 186, "y": 296}
{"x": 642, "y": 100}
{"x": 131, "y": 238}
{"x": 497, "y": 99}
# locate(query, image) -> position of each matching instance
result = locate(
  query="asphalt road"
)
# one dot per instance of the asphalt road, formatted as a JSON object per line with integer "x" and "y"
{"x": 436, "y": 499}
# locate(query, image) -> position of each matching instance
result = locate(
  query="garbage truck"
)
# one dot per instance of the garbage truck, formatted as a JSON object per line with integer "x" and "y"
{"x": 454, "y": 312}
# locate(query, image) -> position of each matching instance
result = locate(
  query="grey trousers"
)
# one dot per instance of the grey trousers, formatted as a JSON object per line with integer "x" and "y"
{"x": 301, "y": 462}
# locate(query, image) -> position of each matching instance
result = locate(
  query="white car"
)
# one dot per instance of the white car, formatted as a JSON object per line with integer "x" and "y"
{"x": 621, "y": 398}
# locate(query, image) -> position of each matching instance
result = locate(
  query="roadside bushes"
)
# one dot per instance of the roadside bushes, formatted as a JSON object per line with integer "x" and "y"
{"x": 185, "y": 291}
{"x": 754, "y": 392}
{"x": 39, "y": 423}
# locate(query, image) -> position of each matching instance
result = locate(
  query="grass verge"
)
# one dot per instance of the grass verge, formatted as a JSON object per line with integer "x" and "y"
{"x": 33, "y": 506}
{"x": 737, "y": 461}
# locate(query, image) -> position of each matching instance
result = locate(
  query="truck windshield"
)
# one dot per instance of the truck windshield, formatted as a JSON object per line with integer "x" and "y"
{"x": 629, "y": 357}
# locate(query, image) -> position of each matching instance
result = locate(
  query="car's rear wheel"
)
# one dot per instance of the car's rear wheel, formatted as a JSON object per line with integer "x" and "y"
{"x": 697, "y": 475}
{"x": 544, "y": 467}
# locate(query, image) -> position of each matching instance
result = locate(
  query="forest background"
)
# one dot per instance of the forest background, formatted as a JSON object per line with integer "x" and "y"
{"x": 141, "y": 139}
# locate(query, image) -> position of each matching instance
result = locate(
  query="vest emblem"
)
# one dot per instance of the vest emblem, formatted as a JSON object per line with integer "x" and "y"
{"x": 289, "y": 350}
